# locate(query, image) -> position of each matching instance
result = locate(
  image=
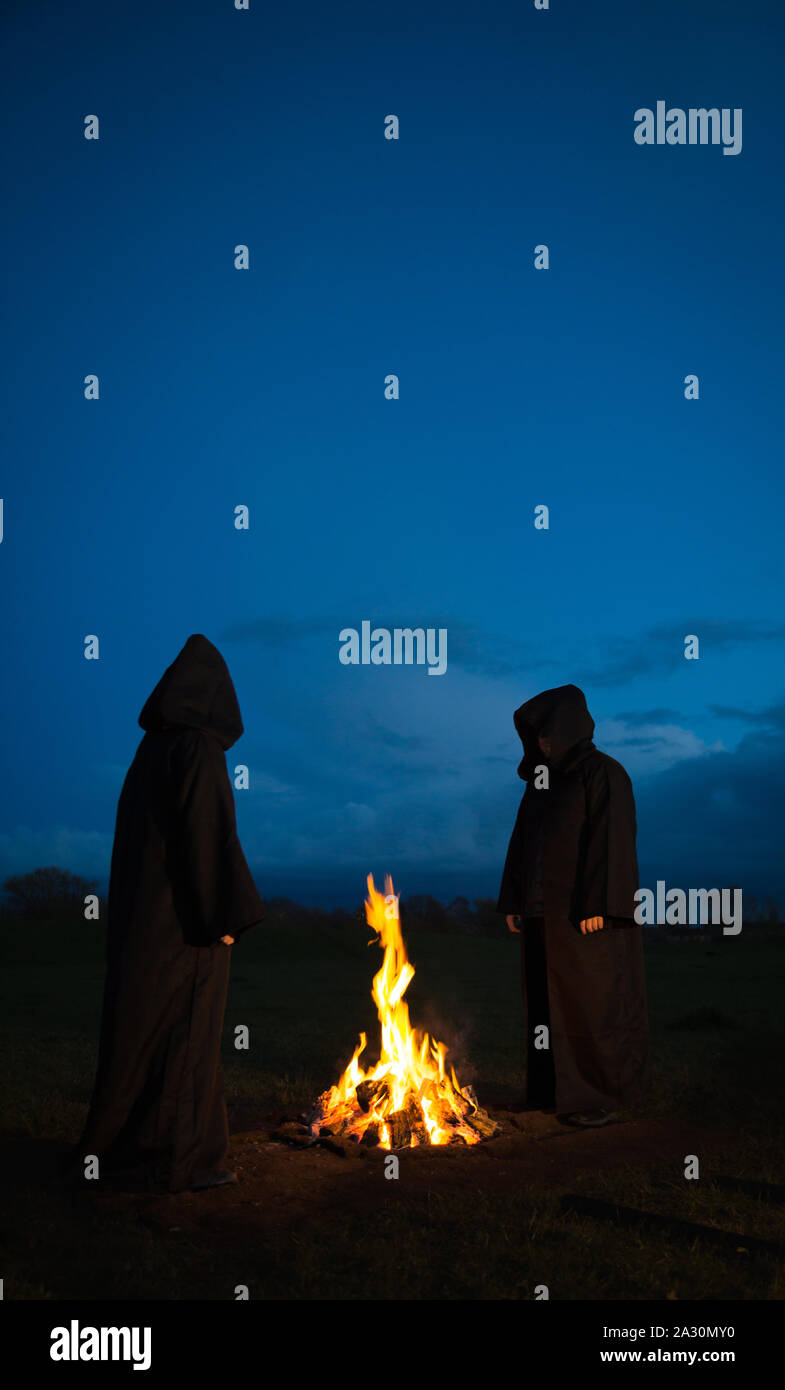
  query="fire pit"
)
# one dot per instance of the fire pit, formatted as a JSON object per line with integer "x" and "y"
{"x": 408, "y": 1098}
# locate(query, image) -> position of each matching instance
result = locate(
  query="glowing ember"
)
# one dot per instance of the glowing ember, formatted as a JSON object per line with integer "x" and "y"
{"x": 408, "y": 1098}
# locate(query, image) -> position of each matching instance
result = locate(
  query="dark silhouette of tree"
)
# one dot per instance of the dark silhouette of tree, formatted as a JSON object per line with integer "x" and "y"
{"x": 422, "y": 910}
{"x": 49, "y": 892}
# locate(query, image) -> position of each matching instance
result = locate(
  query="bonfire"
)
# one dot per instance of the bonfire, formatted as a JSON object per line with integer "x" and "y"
{"x": 410, "y": 1097}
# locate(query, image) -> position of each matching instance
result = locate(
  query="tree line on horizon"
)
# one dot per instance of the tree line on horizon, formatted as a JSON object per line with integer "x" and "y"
{"x": 52, "y": 893}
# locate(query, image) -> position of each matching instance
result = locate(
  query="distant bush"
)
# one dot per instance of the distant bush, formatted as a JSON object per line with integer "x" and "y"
{"x": 460, "y": 917}
{"x": 49, "y": 892}
{"x": 285, "y": 912}
{"x": 421, "y": 912}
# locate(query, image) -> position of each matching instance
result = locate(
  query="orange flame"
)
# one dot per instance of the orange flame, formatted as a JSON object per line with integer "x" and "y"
{"x": 411, "y": 1067}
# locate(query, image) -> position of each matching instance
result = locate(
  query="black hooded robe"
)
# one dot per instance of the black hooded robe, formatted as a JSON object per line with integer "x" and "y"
{"x": 179, "y": 881}
{"x": 575, "y": 843}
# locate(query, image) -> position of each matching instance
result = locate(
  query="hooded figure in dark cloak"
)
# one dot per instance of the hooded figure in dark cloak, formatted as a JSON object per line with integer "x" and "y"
{"x": 180, "y": 893}
{"x": 571, "y": 876}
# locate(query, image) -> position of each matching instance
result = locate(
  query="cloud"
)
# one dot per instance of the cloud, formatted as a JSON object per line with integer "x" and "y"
{"x": 262, "y": 783}
{"x": 660, "y": 648}
{"x": 651, "y": 747}
{"x": 469, "y": 646}
{"x": 773, "y": 716}
{"x": 624, "y": 659}
{"x": 482, "y": 651}
{"x": 391, "y": 738}
{"x": 648, "y": 716}
{"x": 715, "y": 820}
{"x": 488, "y": 654}
{"x": 86, "y": 852}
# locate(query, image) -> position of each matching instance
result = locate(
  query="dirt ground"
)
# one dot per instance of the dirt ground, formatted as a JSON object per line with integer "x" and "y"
{"x": 280, "y": 1186}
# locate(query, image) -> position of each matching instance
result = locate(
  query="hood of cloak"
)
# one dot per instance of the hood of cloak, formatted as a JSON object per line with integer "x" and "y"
{"x": 196, "y": 691}
{"x": 560, "y": 715}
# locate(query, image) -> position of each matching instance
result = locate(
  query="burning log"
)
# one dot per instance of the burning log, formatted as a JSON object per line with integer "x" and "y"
{"x": 400, "y": 1133}
{"x": 338, "y": 1126}
{"x": 369, "y": 1091}
{"x": 407, "y": 1125}
{"x": 482, "y": 1123}
{"x": 471, "y": 1112}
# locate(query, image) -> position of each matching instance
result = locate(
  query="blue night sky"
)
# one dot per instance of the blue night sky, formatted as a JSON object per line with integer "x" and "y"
{"x": 518, "y": 387}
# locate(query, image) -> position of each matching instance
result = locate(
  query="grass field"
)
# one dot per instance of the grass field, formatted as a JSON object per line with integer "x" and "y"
{"x": 314, "y": 1226}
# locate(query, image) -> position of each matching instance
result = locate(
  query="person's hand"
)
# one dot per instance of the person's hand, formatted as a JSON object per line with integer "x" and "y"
{"x": 511, "y": 924}
{"x": 592, "y": 924}
{"x": 228, "y": 940}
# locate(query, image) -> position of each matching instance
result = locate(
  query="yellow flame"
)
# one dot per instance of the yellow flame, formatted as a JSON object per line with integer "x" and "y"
{"x": 412, "y": 1065}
